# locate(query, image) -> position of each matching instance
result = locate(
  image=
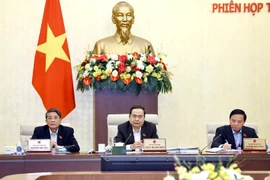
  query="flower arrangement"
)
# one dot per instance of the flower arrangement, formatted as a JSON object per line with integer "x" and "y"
{"x": 124, "y": 73}
{"x": 207, "y": 171}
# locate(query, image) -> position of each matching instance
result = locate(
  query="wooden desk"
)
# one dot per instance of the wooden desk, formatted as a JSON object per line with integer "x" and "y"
{"x": 10, "y": 164}
{"x": 13, "y": 164}
{"x": 257, "y": 175}
{"x": 253, "y": 161}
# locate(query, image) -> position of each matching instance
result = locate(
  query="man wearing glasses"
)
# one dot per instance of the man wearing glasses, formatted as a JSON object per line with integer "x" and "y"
{"x": 136, "y": 129}
{"x": 62, "y": 137}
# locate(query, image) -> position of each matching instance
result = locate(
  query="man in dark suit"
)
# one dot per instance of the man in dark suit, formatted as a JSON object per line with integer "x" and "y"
{"x": 231, "y": 136}
{"x": 136, "y": 129}
{"x": 61, "y": 137}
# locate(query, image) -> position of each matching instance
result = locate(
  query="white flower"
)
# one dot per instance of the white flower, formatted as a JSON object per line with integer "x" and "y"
{"x": 93, "y": 60}
{"x": 87, "y": 66}
{"x": 140, "y": 65}
{"x": 115, "y": 73}
{"x": 86, "y": 73}
{"x": 110, "y": 64}
{"x": 169, "y": 177}
{"x": 143, "y": 57}
{"x": 114, "y": 57}
{"x": 139, "y": 74}
{"x": 157, "y": 59}
{"x": 129, "y": 57}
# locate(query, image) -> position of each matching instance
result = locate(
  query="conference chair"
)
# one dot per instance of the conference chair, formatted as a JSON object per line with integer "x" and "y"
{"x": 27, "y": 130}
{"x": 113, "y": 120}
{"x": 211, "y": 129}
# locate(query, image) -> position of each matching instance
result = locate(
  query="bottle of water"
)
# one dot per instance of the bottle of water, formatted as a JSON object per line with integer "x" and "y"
{"x": 266, "y": 145}
{"x": 53, "y": 150}
{"x": 19, "y": 149}
{"x": 239, "y": 149}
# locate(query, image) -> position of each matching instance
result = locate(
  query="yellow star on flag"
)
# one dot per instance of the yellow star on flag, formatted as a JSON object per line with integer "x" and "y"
{"x": 53, "y": 48}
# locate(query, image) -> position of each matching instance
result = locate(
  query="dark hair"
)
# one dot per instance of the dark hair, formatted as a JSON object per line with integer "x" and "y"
{"x": 137, "y": 107}
{"x": 53, "y": 110}
{"x": 238, "y": 111}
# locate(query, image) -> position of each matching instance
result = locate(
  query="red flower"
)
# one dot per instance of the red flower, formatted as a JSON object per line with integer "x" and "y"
{"x": 151, "y": 59}
{"x": 60, "y": 137}
{"x": 138, "y": 80}
{"x": 136, "y": 69}
{"x": 144, "y": 135}
{"x": 164, "y": 65}
{"x": 103, "y": 58}
{"x": 126, "y": 81}
{"x": 136, "y": 55}
{"x": 123, "y": 58}
{"x": 114, "y": 78}
{"x": 98, "y": 78}
{"x": 95, "y": 56}
{"x": 244, "y": 135}
{"x": 121, "y": 67}
{"x": 86, "y": 80}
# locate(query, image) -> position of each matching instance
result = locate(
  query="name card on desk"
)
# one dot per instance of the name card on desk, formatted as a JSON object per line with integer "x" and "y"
{"x": 154, "y": 145}
{"x": 254, "y": 144}
{"x": 39, "y": 145}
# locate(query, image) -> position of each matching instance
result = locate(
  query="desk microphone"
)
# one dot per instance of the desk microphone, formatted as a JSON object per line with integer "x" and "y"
{"x": 127, "y": 139}
{"x": 69, "y": 146}
{"x": 210, "y": 143}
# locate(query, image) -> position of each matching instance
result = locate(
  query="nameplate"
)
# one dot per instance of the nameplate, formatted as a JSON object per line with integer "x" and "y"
{"x": 154, "y": 145}
{"x": 39, "y": 145}
{"x": 254, "y": 144}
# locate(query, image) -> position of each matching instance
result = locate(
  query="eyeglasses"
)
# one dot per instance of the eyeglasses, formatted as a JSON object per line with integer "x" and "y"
{"x": 134, "y": 116}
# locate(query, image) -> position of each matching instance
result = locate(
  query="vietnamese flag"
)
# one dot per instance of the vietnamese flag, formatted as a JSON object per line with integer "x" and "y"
{"x": 52, "y": 76}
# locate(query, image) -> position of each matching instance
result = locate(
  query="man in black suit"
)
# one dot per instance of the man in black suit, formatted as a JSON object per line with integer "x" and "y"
{"x": 231, "y": 136}
{"x": 136, "y": 129}
{"x": 61, "y": 137}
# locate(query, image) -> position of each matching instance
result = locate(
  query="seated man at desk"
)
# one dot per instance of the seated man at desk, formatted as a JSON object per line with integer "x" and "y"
{"x": 62, "y": 137}
{"x": 136, "y": 129}
{"x": 231, "y": 136}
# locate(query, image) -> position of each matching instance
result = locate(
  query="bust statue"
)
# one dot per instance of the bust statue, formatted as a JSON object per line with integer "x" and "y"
{"x": 122, "y": 41}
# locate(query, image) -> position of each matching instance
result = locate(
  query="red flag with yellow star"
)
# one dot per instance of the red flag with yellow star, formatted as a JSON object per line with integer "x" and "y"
{"x": 52, "y": 76}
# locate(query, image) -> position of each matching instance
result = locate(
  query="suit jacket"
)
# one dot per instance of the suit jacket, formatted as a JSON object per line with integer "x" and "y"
{"x": 227, "y": 134}
{"x": 148, "y": 130}
{"x": 65, "y": 137}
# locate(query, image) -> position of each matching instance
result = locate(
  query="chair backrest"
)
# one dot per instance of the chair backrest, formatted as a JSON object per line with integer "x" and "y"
{"x": 211, "y": 129}
{"x": 113, "y": 120}
{"x": 27, "y": 130}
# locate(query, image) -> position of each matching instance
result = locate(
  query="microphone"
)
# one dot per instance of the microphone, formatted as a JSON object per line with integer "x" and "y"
{"x": 127, "y": 139}
{"x": 210, "y": 143}
{"x": 69, "y": 146}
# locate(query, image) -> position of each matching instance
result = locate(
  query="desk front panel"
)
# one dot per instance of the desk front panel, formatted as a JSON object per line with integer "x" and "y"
{"x": 10, "y": 164}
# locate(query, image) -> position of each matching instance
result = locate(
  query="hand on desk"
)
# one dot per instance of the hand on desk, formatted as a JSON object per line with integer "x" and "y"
{"x": 137, "y": 145}
{"x": 227, "y": 146}
{"x": 53, "y": 143}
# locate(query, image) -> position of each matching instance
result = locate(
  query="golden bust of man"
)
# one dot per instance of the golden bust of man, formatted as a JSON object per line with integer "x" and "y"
{"x": 122, "y": 41}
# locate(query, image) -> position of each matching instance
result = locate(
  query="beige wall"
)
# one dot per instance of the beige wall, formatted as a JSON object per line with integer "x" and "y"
{"x": 219, "y": 61}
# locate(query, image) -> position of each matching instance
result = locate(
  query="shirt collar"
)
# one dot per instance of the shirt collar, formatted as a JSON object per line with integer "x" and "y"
{"x": 135, "y": 131}
{"x": 118, "y": 39}
{"x": 234, "y": 132}
{"x": 53, "y": 132}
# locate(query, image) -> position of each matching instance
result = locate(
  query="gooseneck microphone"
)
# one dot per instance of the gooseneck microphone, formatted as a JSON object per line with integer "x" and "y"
{"x": 127, "y": 139}
{"x": 69, "y": 146}
{"x": 210, "y": 143}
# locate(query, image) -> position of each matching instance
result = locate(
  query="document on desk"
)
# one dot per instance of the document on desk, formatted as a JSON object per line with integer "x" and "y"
{"x": 183, "y": 150}
{"x": 221, "y": 150}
